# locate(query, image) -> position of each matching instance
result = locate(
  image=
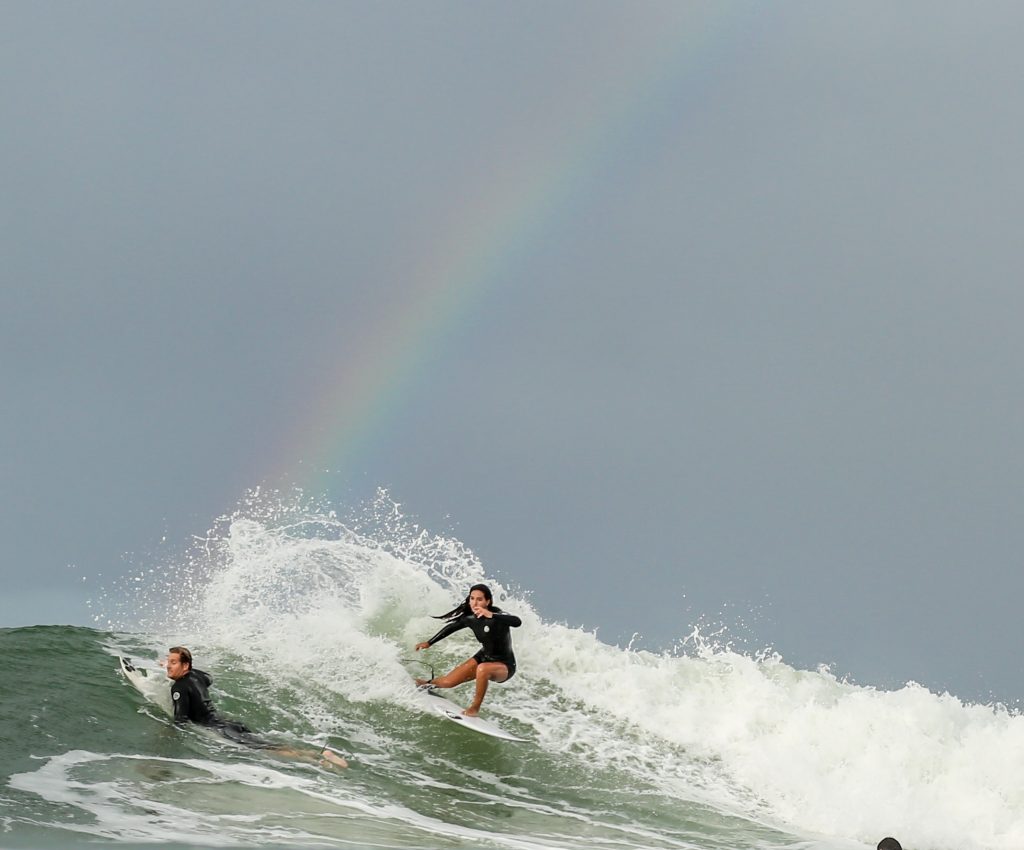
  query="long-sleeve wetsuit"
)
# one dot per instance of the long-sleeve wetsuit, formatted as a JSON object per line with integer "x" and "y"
{"x": 192, "y": 703}
{"x": 493, "y": 634}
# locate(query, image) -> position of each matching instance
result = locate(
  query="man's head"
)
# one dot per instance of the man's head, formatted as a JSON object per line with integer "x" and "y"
{"x": 889, "y": 843}
{"x": 179, "y": 662}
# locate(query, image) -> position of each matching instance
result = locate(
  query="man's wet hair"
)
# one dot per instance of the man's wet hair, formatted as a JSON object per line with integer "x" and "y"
{"x": 186, "y": 658}
{"x": 889, "y": 843}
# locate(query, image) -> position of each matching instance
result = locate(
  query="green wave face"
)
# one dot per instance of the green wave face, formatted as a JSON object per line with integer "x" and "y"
{"x": 308, "y": 626}
{"x": 87, "y": 757}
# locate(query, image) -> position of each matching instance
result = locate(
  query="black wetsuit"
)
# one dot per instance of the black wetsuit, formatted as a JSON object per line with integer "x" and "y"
{"x": 192, "y": 703}
{"x": 493, "y": 634}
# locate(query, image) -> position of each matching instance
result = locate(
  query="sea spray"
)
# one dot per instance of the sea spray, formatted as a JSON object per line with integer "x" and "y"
{"x": 329, "y": 609}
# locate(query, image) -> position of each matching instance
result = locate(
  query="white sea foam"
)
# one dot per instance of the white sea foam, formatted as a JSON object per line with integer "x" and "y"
{"x": 296, "y": 592}
{"x": 216, "y": 803}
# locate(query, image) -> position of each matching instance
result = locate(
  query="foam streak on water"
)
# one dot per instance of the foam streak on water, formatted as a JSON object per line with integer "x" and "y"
{"x": 308, "y": 624}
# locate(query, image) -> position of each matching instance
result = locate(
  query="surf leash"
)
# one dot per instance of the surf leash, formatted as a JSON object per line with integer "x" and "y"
{"x": 430, "y": 667}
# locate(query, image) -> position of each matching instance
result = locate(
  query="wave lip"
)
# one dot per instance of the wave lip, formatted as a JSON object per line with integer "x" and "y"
{"x": 307, "y": 624}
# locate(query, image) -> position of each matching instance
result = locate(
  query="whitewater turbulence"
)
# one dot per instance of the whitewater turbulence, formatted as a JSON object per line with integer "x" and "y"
{"x": 311, "y": 620}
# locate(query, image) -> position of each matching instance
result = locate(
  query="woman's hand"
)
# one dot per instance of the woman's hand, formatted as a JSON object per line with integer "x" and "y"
{"x": 424, "y": 645}
{"x": 483, "y": 611}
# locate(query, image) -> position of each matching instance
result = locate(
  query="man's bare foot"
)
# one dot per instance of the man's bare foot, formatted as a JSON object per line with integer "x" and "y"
{"x": 471, "y": 712}
{"x": 331, "y": 757}
{"x": 424, "y": 683}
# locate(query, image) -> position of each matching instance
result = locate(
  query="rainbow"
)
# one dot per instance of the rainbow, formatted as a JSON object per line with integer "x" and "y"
{"x": 508, "y": 215}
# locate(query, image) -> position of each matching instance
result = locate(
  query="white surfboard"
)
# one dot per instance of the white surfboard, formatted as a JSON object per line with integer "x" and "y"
{"x": 156, "y": 687}
{"x": 451, "y": 711}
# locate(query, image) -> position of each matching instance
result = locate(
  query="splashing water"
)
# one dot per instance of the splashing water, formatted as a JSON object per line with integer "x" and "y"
{"x": 321, "y": 613}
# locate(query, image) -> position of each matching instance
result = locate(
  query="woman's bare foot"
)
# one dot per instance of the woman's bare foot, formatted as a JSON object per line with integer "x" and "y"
{"x": 471, "y": 712}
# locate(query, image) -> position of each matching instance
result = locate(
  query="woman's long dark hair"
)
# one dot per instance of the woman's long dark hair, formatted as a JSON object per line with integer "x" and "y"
{"x": 463, "y": 608}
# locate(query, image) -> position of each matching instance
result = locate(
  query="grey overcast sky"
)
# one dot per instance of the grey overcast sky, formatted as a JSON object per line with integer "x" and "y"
{"x": 670, "y": 310}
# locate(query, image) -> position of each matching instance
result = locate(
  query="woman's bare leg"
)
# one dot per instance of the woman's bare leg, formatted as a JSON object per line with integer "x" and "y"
{"x": 489, "y": 671}
{"x": 463, "y": 673}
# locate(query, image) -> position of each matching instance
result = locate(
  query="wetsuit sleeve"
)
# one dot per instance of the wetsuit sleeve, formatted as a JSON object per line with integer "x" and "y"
{"x": 510, "y": 620}
{"x": 448, "y": 629}
{"x": 180, "y": 697}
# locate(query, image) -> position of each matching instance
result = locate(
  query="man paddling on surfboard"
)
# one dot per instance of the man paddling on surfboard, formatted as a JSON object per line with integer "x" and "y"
{"x": 495, "y": 662}
{"x": 192, "y": 704}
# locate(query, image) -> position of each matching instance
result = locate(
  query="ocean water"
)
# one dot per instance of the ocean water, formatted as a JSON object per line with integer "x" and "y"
{"x": 307, "y": 624}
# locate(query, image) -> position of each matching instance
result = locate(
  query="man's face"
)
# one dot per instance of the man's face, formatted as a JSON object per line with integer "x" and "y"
{"x": 176, "y": 668}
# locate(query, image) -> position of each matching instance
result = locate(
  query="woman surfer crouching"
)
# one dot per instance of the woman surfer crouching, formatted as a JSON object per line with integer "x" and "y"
{"x": 495, "y": 662}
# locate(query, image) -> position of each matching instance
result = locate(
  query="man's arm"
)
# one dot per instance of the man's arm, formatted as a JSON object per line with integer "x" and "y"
{"x": 181, "y": 697}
